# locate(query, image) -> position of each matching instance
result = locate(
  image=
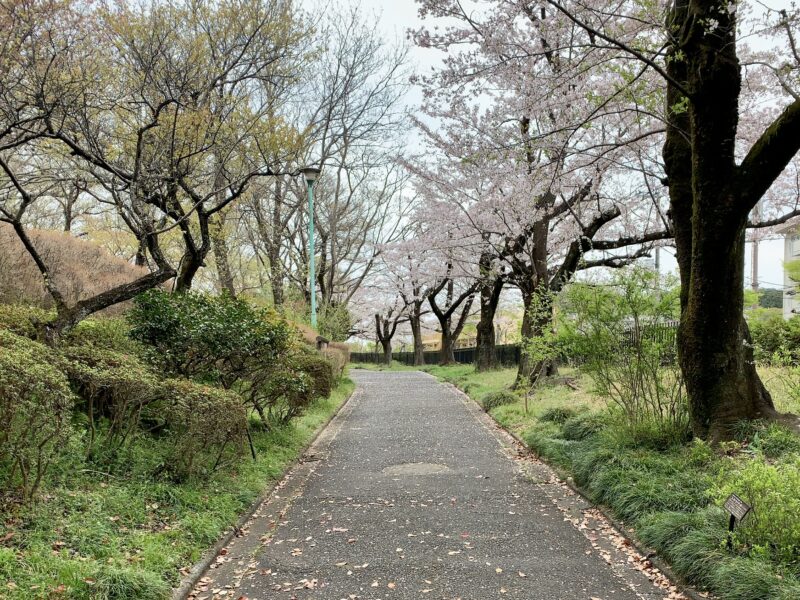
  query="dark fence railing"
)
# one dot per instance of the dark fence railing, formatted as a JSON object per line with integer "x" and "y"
{"x": 509, "y": 354}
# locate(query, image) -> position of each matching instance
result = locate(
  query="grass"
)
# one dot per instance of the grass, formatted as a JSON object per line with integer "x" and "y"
{"x": 670, "y": 492}
{"x": 99, "y": 537}
{"x": 779, "y": 382}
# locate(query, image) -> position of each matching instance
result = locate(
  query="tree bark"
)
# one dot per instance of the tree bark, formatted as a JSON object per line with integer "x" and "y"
{"x": 387, "y": 352}
{"x": 485, "y": 353}
{"x": 530, "y": 369}
{"x": 709, "y": 218}
{"x": 220, "y": 247}
{"x": 415, "y": 319}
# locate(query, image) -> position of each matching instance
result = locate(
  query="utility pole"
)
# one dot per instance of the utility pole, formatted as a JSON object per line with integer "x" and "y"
{"x": 311, "y": 174}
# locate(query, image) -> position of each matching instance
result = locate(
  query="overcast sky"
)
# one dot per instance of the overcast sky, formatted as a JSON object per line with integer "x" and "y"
{"x": 395, "y": 17}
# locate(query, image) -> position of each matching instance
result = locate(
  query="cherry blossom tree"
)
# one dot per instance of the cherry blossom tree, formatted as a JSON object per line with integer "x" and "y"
{"x": 536, "y": 198}
{"x": 609, "y": 81}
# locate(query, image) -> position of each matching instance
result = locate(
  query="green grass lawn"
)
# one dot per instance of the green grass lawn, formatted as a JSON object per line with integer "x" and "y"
{"x": 98, "y": 536}
{"x": 670, "y": 493}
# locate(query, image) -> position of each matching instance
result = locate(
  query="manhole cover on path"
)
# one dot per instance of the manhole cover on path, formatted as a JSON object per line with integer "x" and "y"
{"x": 416, "y": 469}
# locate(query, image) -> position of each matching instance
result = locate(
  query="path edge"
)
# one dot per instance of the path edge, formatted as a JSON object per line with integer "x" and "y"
{"x": 621, "y": 528}
{"x": 189, "y": 582}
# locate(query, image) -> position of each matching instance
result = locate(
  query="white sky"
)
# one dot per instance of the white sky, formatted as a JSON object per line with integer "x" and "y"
{"x": 395, "y": 17}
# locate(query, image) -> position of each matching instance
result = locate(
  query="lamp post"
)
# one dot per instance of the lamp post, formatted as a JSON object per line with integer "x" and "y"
{"x": 311, "y": 174}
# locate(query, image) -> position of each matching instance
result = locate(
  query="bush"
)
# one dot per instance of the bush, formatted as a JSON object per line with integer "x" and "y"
{"x": 335, "y": 322}
{"x": 774, "y": 493}
{"x": 281, "y": 394}
{"x": 35, "y": 409}
{"x": 113, "y": 386}
{"x": 319, "y": 369}
{"x": 623, "y": 333}
{"x": 23, "y": 320}
{"x": 775, "y": 338}
{"x": 584, "y": 425}
{"x": 495, "y": 399}
{"x": 339, "y": 355}
{"x": 217, "y": 339}
{"x": 109, "y": 333}
{"x": 205, "y": 426}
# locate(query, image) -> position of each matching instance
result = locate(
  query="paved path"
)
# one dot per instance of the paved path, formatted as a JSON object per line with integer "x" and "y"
{"x": 410, "y": 493}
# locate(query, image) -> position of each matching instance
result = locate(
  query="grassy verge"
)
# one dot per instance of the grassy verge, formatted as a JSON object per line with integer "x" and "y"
{"x": 98, "y": 536}
{"x": 670, "y": 493}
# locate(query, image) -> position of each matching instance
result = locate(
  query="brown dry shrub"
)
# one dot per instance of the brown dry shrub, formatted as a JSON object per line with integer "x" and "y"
{"x": 80, "y": 268}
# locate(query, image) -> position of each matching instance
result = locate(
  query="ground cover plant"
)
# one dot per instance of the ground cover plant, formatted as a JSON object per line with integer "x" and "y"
{"x": 118, "y": 473}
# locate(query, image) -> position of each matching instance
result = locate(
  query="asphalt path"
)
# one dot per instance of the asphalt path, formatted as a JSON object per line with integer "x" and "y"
{"x": 412, "y": 494}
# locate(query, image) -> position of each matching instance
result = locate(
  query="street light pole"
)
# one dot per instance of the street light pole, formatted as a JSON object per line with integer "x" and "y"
{"x": 311, "y": 174}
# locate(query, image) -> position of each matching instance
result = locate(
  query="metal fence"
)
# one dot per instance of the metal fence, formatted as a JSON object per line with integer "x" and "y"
{"x": 507, "y": 355}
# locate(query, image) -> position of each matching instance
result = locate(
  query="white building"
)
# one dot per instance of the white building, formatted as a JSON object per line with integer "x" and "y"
{"x": 791, "y": 251}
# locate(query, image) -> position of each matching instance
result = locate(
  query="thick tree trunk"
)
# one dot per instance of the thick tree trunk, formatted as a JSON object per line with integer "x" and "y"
{"x": 387, "y": 352}
{"x": 709, "y": 218}
{"x": 534, "y": 324}
{"x": 485, "y": 353}
{"x": 416, "y": 332}
{"x": 717, "y": 363}
{"x": 447, "y": 354}
{"x": 190, "y": 265}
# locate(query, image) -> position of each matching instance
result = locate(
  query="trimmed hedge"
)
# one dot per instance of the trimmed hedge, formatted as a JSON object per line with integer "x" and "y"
{"x": 35, "y": 409}
{"x": 206, "y": 427}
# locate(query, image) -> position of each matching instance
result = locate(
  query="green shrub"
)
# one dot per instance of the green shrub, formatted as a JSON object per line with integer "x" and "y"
{"x": 206, "y": 427}
{"x": 335, "y": 322}
{"x": 113, "y": 386}
{"x": 281, "y": 394}
{"x": 35, "y": 409}
{"x": 582, "y": 426}
{"x": 773, "y": 491}
{"x": 216, "y": 339}
{"x": 775, "y": 338}
{"x": 501, "y": 398}
{"x": 110, "y": 333}
{"x": 560, "y": 414}
{"x": 622, "y": 332}
{"x": 23, "y": 320}
{"x": 319, "y": 369}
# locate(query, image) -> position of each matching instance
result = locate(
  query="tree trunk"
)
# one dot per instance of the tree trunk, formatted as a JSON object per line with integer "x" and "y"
{"x": 485, "y": 353}
{"x": 532, "y": 369}
{"x": 190, "y": 265}
{"x": 274, "y": 250}
{"x": 416, "y": 332}
{"x": 387, "y": 352}
{"x": 709, "y": 217}
{"x": 220, "y": 246}
{"x": 447, "y": 353}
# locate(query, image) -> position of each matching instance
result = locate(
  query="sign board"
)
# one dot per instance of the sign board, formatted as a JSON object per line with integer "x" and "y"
{"x": 738, "y": 508}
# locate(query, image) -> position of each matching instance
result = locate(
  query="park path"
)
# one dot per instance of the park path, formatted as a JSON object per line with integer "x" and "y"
{"x": 411, "y": 492}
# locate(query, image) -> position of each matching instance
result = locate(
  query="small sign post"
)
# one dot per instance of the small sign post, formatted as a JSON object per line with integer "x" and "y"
{"x": 739, "y": 509}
